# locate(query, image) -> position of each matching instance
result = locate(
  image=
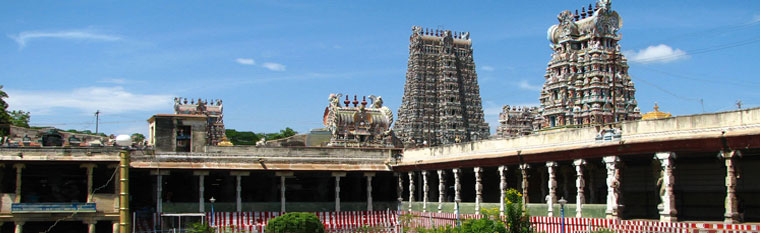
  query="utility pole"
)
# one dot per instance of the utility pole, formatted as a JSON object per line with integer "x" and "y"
{"x": 97, "y": 120}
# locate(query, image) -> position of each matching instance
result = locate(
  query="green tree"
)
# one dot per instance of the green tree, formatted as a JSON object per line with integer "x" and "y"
{"x": 137, "y": 137}
{"x": 242, "y": 137}
{"x": 295, "y": 223}
{"x": 20, "y": 118}
{"x": 4, "y": 117}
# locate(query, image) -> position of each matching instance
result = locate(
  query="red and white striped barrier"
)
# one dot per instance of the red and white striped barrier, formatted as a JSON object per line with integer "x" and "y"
{"x": 333, "y": 221}
{"x": 255, "y": 222}
{"x": 585, "y": 225}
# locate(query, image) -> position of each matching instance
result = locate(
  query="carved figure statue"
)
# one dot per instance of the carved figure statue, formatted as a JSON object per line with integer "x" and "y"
{"x": 261, "y": 142}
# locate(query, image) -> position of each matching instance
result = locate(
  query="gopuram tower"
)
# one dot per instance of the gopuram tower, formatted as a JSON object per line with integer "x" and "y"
{"x": 587, "y": 79}
{"x": 441, "y": 102}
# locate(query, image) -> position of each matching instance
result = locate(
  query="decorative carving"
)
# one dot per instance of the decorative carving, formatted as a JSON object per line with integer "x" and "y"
{"x": 441, "y": 189}
{"x": 457, "y": 185}
{"x": 613, "y": 186}
{"x": 502, "y": 188}
{"x": 732, "y": 214}
{"x": 478, "y": 189}
{"x": 358, "y": 125}
{"x": 524, "y": 172}
{"x": 411, "y": 189}
{"x": 667, "y": 207}
{"x": 552, "y": 183}
{"x": 425, "y": 189}
{"x": 580, "y": 184}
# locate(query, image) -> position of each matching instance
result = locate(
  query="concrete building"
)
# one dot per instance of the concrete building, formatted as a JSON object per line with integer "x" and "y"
{"x": 441, "y": 102}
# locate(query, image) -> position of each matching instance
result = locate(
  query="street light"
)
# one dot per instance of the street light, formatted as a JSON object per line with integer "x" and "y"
{"x": 212, "y": 200}
{"x": 562, "y": 203}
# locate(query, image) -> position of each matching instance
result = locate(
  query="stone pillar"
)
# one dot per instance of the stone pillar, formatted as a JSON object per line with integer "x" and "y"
{"x": 90, "y": 167}
{"x": 613, "y": 186}
{"x": 457, "y": 185}
{"x": 115, "y": 228}
{"x": 19, "y": 227}
{"x": 731, "y": 205}
{"x": 411, "y": 189}
{"x": 369, "y": 176}
{"x": 552, "y": 184}
{"x": 90, "y": 226}
{"x": 337, "y": 176}
{"x": 478, "y": 189}
{"x": 201, "y": 190}
{"x": 159, "y": 188}
{"x": 580, "y": 184}
{"x": 441, "y": 189}
{"x": 502, "y": 188}
{"x": 425, "y": 191}
{"x": 400, "y": 186}
{"x": 667, "y": 208}
{"x": 282, "y": 176}
{"x": 238, "y": 188}
{"x": 524, "y": 171}
{"x": 17, "y": 199}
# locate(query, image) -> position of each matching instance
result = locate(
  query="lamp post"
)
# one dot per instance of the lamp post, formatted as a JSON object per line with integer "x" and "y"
{"x": 456, "y": 208}
{"x": 562, "y": 203}
{"x": 212, "y": 200}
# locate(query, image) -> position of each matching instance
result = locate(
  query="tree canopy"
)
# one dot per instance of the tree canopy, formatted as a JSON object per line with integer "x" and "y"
{"x": 250, "y": 138}
{"x": 5, "y": 118}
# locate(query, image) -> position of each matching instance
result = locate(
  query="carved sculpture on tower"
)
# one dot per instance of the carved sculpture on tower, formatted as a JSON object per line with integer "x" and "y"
{"x": 358, "y": 125}
{"x": 212, "y": 109}
{"x": 441, "y": 102}
{"x": 587, "y": 79}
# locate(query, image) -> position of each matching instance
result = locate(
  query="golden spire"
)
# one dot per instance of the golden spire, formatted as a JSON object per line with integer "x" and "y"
{"x": 656, "y": 113}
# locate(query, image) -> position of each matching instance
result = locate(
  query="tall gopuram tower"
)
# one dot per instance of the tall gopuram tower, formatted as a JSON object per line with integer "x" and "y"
{"x": 587, "y": 79}
{"x": 441, "y": 102}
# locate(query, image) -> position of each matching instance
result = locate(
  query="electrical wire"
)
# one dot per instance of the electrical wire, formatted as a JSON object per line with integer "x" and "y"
{"x": 91, "y": 194}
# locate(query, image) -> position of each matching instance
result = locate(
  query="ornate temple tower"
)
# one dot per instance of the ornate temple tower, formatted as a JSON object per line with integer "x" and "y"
{"x": 587, "y": 79}
{"x": 441, "y": 102}
{"x": 516, "y": 121}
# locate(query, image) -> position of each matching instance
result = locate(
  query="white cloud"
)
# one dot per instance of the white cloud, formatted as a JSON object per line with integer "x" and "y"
{"x": 527, "y": 86}
{"x": 109, "y": 100}
{"x": 487, "y": 68}
{"x": 245, "y": 61}
{"x": 274, "y": 66}
{"x": 23, "y": 38}
{"x": 656, "y": 54}
{"x": 755, "y": 19}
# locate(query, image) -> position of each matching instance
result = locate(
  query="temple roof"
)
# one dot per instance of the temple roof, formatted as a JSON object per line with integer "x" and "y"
{"x": 656, "y": 114}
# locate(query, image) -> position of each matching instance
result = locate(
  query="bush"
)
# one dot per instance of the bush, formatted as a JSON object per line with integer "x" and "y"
{"x": 296, "y": 223}
{"x": 200, "y": 228}
{"x": 485, "y": 224}
{"x": 518, "y": 220}
{"x": 603, "y": 230}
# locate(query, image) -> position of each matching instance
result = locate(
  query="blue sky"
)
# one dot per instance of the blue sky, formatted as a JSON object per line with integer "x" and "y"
{"x": 274, "y": 63}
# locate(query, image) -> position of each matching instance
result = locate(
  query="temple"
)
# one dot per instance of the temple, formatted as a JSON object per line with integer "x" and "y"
{"x": 441, "y": 102}
{"x": 192, "y": 126}
{"x": 516, "y": 121}
{"x": 587, "y": 79}
{"x": 358, "y": 125}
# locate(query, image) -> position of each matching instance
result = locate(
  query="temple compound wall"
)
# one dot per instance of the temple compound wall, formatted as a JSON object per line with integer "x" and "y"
{"x": 685, "y": 168}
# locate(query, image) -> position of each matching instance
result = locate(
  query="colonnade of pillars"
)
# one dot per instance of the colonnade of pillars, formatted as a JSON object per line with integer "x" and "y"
{"x": 667, "y": 208}
{"x": 89, "y": 169}
{"x": 238, "y": 188}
